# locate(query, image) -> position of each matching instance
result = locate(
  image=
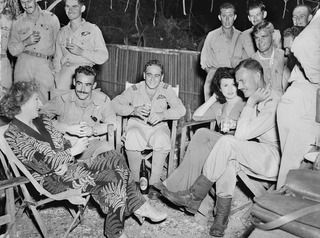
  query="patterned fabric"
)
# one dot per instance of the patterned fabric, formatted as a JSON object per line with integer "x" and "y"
{"x": 107, "y": 177}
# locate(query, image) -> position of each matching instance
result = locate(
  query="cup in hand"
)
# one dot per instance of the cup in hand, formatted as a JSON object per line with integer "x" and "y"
{"x": 68, "y": 41}
{"x": 225, "y": 125}
{"x": 147, "y": 108}
{"x": 36, "y": 34}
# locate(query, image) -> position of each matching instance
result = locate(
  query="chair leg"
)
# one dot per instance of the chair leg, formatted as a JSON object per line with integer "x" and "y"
{"x": 39, "y": 220}
{"x": 10, "y": 207}
{"x": 77, "y": 216}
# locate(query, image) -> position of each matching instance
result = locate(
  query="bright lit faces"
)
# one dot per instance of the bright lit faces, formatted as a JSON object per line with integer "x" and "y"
{"x": 74, "y": 9}
{"x": 2, "y": 5}
{"x": 153, "y": 76}
{"x": 263, "y": 39}
{"x": 287, "y": 43}
{"x": 301, "y": 16}
{"x": 227, "y": 17}
{"x": 248, "y": 81}
{"x": 256, "y": 15}
{"x": 84, "y": 84}
{"x": 29, "y": 5}
{"x": 228, "y": 88}
{"x": 32, "y": 106}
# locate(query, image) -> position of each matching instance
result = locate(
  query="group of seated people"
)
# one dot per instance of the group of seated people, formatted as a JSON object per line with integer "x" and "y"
{"x": 264, "y": 127}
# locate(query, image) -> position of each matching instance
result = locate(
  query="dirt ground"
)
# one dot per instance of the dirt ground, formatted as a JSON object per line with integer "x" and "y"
{"x": 178, "y": 224}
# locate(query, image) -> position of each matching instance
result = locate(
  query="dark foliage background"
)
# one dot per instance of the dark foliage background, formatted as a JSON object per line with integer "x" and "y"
{"x": 125, "y": 22}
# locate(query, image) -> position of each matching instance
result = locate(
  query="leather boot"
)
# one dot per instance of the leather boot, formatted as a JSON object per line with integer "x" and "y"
{"x": 220, "y": 223}
{"x": 191, "y": 198}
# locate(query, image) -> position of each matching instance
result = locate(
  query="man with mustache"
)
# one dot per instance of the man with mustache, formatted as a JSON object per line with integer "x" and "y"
{"x": 32, "y": 40}
{"x": 83, "y": 111}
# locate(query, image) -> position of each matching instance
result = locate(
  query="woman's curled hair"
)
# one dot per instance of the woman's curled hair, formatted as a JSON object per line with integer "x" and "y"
{"x": 221, "y": 73}
{"x": 19, "y": 94}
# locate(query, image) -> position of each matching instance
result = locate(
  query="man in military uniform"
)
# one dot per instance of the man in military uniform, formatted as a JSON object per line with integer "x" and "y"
{"x": 78, "y": 43}
{"x": 257, "y": 13}
{"x": 32, "y": 40}
{"x": 272, "y": 59}
{"x": 219, "y": 46}
{"x": 147, "y": 105}
{"x": 84, "y": 111}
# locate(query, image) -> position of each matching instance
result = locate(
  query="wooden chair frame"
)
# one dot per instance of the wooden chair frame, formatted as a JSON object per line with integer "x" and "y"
{"x": 121, "y": 129}
{"x": 16, "y": 169}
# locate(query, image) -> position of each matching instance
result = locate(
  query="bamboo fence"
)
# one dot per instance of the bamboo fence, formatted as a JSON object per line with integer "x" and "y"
{"x": 181, "y": 68}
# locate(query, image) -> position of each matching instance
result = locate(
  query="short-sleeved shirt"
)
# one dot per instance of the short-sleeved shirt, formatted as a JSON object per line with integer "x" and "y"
{"x": 47, "y": 24}
{"x": 218, "y": 50}
{"x": 88, "y": 37}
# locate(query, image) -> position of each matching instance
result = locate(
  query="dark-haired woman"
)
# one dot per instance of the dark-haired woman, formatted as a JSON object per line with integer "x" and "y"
{"x": 50, "y": 158}
{"x": 224, "y": 106}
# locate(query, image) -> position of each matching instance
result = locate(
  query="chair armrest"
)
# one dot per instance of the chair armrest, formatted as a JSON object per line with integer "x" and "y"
{"x": 195, "y": 123}
{"x": 8, "y": 183}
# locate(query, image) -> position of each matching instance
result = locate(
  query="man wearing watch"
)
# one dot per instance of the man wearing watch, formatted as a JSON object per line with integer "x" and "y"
{"x": 83, "y": 111}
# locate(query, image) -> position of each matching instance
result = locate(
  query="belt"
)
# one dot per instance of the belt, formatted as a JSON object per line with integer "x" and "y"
{"x": 36, "y": 54}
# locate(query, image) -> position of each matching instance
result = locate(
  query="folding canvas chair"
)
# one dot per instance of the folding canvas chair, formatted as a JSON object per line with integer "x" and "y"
{"x": 188, "y": 130}
{"x": 17, "y": 169}
{"x": 6, "y": 190}
{"x": 121, "y": 130}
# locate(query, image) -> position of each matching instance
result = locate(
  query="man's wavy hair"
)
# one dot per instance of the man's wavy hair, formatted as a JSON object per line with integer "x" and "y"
{"x": 153, "y": 62}
{"x": 18, "y": 95}
{"x": 264, "y": 25}
{"x": 221, "y": 73}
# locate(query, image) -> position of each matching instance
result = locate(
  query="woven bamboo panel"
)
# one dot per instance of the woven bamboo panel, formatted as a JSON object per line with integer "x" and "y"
{"x": 126, "y": 64}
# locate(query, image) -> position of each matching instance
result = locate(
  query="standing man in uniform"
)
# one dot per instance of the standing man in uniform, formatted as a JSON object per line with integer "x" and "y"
{"x": 78, "y": 43}
{"x": 32, "y": 40}
{"x": 271, "y": 58}
{"x": 218, "y": 48}
{"x": 83, "y": 111}
{"x": 147, "y": 105}
{"x": 246, "y": 48}
{"x": 301, "y": 15}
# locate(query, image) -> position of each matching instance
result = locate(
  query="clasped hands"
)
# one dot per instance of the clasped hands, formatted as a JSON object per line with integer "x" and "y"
{"x": 144, "y": 112}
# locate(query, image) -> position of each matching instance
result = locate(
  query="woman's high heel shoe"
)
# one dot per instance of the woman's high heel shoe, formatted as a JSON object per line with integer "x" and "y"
{"x": 148, "y": 211}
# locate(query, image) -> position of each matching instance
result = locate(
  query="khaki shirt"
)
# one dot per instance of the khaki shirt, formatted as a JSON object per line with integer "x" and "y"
{"x": 260, "y": 121}
{"x": 136, "y": 96}
{"x": 66, "y": 108}
{"x": 246, "y": 47}
{"x": 47, "y": 24}
{"x": 218, "y": 50}
{"x": 5, "y": 24}
{"x": 88, "y": 37}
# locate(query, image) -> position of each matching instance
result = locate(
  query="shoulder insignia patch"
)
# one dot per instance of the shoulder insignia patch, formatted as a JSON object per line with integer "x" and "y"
{"x": 84, "y": 33}
{"x": 160, "y": 96}
{"x": 134, "y": 87}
